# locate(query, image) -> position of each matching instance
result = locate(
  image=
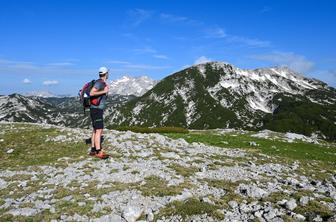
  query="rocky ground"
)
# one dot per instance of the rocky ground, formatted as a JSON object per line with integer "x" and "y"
{"x": 151, "y": 177}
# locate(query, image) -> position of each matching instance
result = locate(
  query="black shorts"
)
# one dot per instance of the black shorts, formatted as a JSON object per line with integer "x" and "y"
{"x": 97, "y": 118}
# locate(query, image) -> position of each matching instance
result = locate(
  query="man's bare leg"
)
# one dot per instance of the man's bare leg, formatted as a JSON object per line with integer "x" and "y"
{"x": 97, "y": 137}
{"x": 93, "y": 138}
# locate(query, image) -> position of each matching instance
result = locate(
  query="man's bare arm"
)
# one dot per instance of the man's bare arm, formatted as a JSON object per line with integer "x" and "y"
{"x": 94, "y": 91}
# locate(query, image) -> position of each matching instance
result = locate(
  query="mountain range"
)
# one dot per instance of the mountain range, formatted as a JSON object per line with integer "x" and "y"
{"x": 63, "y": 111}
{"x": 219, "y": 95}
{"x": 203, "y": 96}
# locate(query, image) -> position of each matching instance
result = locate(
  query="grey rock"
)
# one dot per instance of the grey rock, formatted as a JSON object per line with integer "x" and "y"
{"x": 52, "y": 210}
{"x": 332, "y": 219}
{"x": 333, "y": 195}
{"x": 81, "y": 204}
{"x": 109, "y": 218}
{"x": 27, "y": 212}
{"x": 132, "y": 213}
{"x": 3, "y": 184}
{"x": 252, "y": 191}
{"x": 304, "y": 200}
{"x": 259, "y": 213}
{"x": 276, "y": 219}
{"x": 246, "y": 208}
{"x": 282, "y": 202}
{"x": 270, "y": 214}
{"x": 318, "y": 218}
{"x": 67, "y": 198}
{"x": 291, "y": 204}
{"x": 150, "y": 216}
{"x": 171, "y": 155}
{"x": 233, "y": 204}
{"x": 10, "y": 151}
{"x": 252, "y": 143}
{"x": 299, "y": 217}
{"x": 22, "y": 184}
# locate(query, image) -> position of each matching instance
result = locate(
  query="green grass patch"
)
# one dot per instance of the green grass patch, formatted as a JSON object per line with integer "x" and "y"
{"x": 156, "y": 186}
{"x": 273, "y": 147}
{"x": 137, "y": 129}
{"x": 314, "y": 208}
{"x": 229, "y": 187}
{"x": 189, "y": 207}
{"x": 31, "y": 148}
{"x": 182, "y": 170}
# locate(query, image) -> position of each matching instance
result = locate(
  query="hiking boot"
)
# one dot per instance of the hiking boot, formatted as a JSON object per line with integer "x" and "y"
{"x": 93, "y": 151}
{"x": 102, "y": 155}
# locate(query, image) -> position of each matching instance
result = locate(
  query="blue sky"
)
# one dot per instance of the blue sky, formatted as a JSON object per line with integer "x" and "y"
{"x": 58, "y": 45}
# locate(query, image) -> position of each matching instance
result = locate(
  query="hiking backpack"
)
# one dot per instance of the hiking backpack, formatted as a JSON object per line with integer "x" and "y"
{"x": 85, "y": 98}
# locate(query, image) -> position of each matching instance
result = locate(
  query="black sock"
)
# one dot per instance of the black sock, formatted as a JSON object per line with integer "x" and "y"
{"x": 93, "y": 149}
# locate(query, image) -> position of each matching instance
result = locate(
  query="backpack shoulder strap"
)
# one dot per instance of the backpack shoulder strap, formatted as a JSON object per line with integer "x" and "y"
{"x": 100, "y": 80}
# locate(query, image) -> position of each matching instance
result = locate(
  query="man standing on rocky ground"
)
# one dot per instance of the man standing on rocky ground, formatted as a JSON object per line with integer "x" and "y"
{"x": 98, "y": 95}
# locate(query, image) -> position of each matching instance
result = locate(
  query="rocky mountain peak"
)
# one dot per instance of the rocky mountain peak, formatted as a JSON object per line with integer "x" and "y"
{"x": 128, "y": 85}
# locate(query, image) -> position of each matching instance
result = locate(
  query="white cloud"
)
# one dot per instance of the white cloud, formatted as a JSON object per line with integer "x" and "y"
{"x": 201, "y": 60}
{"x": 149, "y": 50}
{"x": 220, "y": 33}
{"x": 179, "y": 19}
{"x": 60, "y": 64}
{"x": 173, "y": 18}
{"x": 248, "y": 41}
{"x": 160, "y": 56}
{"x": 126, "y": 66}
{"x": 216, "y": 33}
{"x": 50, "y": 82}
{"x": 328, "y": 76}
{"x": 15, "y": 67}
{"x": 296, "y": 62}
{"x": 145, "y": 50}
{"x": 117, "y": 62}
{"x": 138, "y": 16}
{"x": 26, "y": 81}
{"x": 265, "y": 9}
{"x": 144, "y": 66}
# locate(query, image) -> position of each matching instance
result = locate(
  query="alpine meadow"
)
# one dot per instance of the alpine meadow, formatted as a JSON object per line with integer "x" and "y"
{"x": 167, "y": 111}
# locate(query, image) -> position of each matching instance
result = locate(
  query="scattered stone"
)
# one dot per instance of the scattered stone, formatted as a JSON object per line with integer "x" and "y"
{"x": 299, "y": 217}
{"x": 3, "y": 184}
{"x": 318, "y": 218}
{"x": 108, "y": 218}
{"x": 10, "y": 151}
{"x": 252, "y": 143}
{"x": 138, "y": 153}
{"x": 81, "y": 204}
{"x": 132, "y": 213}
{"x": 304, "y": 200}
{"x": 258, "y": 214}
{"x": 291, "y": 204}
{"x": 22, "y": 184}
{"x": 203, "y": 169}
{"x": 27, "y": 212}
{"x": 52, "y": 210}
{"x": 67, "y": 198}
{"x": 282, "y": 202}
{"x": 233, "y": 204}
{"x": 251, "y": 191}
{"x": 149, "y": 215}
{"x": 272, "y": 213}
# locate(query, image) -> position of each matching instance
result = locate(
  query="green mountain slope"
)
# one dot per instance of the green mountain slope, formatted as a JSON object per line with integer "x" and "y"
{"x": 219, "y": 95}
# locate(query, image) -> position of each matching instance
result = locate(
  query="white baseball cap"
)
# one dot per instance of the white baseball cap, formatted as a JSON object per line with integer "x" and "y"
{"x": 103, "y": 70}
